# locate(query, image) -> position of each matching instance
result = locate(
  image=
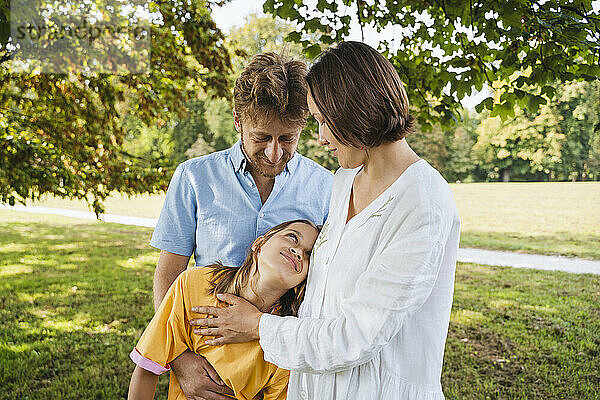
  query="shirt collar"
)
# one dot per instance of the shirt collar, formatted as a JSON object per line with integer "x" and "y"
{"x": 240, "y": 163}
{"x": 237, "y": 157}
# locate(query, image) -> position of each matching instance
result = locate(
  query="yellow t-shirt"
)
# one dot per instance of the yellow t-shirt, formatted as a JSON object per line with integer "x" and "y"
{"x": 241, "y": 365}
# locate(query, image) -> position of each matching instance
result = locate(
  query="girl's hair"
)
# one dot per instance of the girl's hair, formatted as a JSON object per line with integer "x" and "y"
{"x": 360, "y": 95}
{"x": 227, "y": 279}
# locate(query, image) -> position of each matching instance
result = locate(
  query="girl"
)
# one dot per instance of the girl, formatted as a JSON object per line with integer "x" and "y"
{"x": 272, "y": 277}
{"x": 379, "y": 292}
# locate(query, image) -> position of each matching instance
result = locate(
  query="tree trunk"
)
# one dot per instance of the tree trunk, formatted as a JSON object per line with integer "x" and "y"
{"x": 506, "y": 175}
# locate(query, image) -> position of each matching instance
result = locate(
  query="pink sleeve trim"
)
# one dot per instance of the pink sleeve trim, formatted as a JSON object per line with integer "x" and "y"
{"x": 147, "y": 364}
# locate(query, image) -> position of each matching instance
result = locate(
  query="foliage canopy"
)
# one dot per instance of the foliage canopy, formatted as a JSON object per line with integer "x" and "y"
{"x": 63, "y": 133}
{"x": 444, "y": 48}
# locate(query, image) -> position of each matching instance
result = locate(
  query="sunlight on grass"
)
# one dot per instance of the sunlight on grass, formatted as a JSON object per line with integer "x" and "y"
{"x": 16, "y": 348}
{"x": 503, "y": 304}
{"x": 42, "y": 313}
{"x": 26, "y": 297}
{"x": 540, "y": 309}
{"x": 15, "y": 270}
{"x": 136, "y": 262}
{"x": 467, "y": 317}
{"x": 533, "y": 207}
{"x": 77, "y": 324}
{"x": 65, "y": 246}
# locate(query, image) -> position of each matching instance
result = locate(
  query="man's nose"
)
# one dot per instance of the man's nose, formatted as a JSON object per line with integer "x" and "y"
{"x": 273, "y": 151}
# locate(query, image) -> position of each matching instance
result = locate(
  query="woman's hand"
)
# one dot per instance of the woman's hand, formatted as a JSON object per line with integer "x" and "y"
{"x": 237, "y": 323}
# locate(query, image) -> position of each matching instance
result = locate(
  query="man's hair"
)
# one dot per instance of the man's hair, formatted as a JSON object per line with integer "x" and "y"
{"x": 226, "y": 279}
{"x": 272, "y": 86}
{"x": 360, "y": 95}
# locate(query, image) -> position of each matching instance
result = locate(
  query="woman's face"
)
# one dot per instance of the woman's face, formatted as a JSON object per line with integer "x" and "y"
{"x": 347, "y": 156}
{"x": 284, "y": 258}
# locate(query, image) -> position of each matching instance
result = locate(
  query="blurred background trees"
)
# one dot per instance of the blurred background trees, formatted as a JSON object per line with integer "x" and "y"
{"x": 559, "y": 142}
{"x": 87, "y": 135}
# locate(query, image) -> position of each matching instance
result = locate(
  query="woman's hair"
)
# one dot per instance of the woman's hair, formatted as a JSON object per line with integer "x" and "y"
{"x": 232, "y": 279}
{"x": 272, "y": 86}
{"x": 360, "y": 95}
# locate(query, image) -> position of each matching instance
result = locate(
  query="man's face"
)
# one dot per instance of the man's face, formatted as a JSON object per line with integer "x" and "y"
{"x": 269, "y": 146}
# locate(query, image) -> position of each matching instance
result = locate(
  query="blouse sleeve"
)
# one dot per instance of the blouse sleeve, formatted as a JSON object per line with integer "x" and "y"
{"x": 396, "y": 283}
{"x": 166, "y": 336}
{"x": 277, "y": 386}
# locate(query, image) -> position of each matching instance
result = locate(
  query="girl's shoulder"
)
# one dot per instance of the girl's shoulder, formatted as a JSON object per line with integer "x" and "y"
{"x": 198, "y": 278}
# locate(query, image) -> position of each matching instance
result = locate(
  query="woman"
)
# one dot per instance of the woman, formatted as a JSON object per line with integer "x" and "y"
{"x": 379, "y": 293}
{"x": 272, "y": 278}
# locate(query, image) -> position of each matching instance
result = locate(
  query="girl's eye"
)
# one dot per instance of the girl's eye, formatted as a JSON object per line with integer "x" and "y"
{"x": 293, "y": 236}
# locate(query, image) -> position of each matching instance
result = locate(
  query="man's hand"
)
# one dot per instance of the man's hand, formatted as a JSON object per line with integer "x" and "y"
{"x": 237, "y": 323}
{"x": 198, "y": 379}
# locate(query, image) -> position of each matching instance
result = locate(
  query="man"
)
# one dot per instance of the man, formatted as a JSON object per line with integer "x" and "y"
{"x": 216, "y": 205}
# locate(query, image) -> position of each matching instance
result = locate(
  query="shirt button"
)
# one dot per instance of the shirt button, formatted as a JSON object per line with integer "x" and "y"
{"x": 304, "y": 395}
{"x": 262, "y": 214}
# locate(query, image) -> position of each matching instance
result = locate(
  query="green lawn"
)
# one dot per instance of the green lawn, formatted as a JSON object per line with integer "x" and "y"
{"x": 546, "y": 218}
{"x": 75, "y": 295}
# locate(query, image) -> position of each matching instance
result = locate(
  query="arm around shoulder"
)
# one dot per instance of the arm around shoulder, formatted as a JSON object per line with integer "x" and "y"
{"x": 396, "y": 283}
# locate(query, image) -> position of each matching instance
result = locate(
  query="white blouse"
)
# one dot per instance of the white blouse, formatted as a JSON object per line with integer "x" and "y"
{"x": 375, "y": 317}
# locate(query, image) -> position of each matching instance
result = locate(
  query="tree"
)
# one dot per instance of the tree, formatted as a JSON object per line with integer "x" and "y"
{"x": 449, "y": 149}
{"x": 578, "y": 105}
{"x": 558, "y": 143}
{"x": 460, "y": 165}
{"x": 219, "y": 132}
{"x": 448, "y": 47}
{"x": 64, "y": 133}
{"x": 527, "y": 146}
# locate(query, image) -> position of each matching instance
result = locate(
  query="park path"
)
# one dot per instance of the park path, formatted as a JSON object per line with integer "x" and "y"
{"x": 465, "y": 255}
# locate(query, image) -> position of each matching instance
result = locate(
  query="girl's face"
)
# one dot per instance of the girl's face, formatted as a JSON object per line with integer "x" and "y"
{"x": 347, "y": 156}
{"x": 284, "y": 258}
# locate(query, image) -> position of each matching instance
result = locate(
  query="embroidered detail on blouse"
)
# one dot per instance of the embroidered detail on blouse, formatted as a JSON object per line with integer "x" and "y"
{"x": 379, "y": 212}
{"x": 321, "y": 239}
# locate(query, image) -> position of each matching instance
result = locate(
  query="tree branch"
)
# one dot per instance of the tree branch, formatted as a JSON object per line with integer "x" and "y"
{"x": 362, "y": 33}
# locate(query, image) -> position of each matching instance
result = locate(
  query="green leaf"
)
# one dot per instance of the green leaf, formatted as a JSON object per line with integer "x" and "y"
{"x": 314, "y": 25}
{"x": 533, "y": 105}
{"x": 548, "y": 91}
{"x": 312, "y": 51}
{"x": 288, "y": 11}
{"x": 293, "y": 37}
{"x": 323, "y": 5}
{"x": 269, "y": 6}
{"x": 485, "y": 104}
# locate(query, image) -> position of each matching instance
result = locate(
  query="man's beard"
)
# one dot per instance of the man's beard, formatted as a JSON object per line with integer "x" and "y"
{"x": 258, "y": 162}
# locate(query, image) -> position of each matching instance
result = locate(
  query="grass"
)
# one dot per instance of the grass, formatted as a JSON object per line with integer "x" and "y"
{"x": 523, "y": 334}
{"x": 560, "y": 218}
{"x": 75, "y": 296}
{"x": 545, "y": 218}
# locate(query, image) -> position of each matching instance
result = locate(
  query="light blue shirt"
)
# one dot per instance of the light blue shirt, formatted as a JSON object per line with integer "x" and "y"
{"x": 213, "y": 209}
